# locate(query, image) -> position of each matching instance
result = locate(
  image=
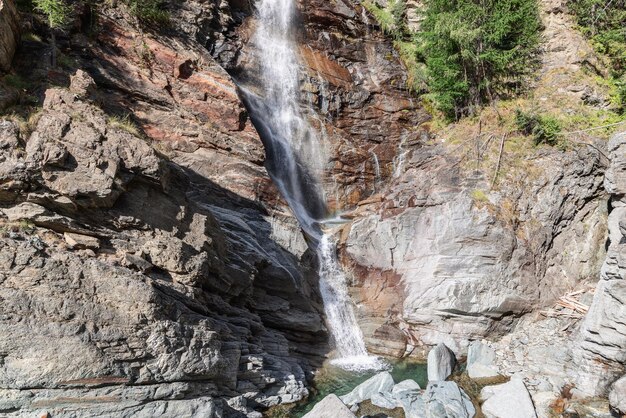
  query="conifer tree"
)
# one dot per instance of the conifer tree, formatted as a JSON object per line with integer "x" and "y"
{"x": 58, "y": 14}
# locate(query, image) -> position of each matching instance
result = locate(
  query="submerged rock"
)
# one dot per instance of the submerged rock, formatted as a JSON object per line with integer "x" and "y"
{"x": 509, "y": 400}
{"x": 441, "y": 362}
{"x": 382, "y": 382}
{"x": 480, "y": 361}
{"x": 330, "y": 407}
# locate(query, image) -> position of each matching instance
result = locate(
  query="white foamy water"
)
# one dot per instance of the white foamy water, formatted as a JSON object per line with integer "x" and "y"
{"x": 295, "y": 162}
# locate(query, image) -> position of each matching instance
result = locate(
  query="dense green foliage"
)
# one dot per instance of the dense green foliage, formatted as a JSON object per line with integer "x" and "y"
{"x": 604, "y": 22}
{"x": 57, "y": 12}
{"x": 149, "y": 11}
{"x": 477, "y": 50}
{"x": 391, "y": 18}
{"x": 544, "y": 129}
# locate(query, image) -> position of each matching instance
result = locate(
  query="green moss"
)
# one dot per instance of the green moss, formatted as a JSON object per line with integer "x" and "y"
{"x": 479, "y": 196}
{"x": 150, "y": 12}
{"x": 15, "y": 81}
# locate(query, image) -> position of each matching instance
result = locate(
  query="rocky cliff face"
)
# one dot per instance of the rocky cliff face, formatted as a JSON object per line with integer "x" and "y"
{"x": 117, "y": 272}
{"x": 445, "y": 254}
{"x": 444, "y": 261}
{"x": 147, "y": 265}
{"x": 142, "y": 237}
{"x": 352, "y": 77}
{"x": 9, "y": 33}
{"x": 603, "y": 333}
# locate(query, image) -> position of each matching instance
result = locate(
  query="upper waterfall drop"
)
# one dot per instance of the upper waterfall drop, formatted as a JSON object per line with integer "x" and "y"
{"x": 295, "y": 164}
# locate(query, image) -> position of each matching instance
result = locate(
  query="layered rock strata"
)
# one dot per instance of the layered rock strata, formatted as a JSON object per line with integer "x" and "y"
{"x": 603, "y": 335}
{"x": 171, "y": 301}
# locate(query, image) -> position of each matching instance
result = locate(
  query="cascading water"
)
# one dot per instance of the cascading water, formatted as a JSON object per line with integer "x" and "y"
{"x": 294, "y": 161}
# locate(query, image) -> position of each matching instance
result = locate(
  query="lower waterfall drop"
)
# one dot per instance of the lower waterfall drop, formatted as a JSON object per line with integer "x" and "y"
{"x": 340, "y": 312}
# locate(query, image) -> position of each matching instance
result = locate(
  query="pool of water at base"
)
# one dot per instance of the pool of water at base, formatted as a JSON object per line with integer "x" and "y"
{"x": 331, "y": 379}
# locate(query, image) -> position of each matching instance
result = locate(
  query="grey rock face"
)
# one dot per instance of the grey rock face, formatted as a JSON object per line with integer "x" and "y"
{"x": 330, "y": 407}
{"x": 456, "y": 267}
{"x": 401, "y": 395}
{"x": 480, "y": 361}
{"x": 602, "y": 353}
{"x": 441, "y": 362}
{"x": 617, "y": 396}
{"x": 447, "y": 400}
{"x": 382, "y": 382}
{"x": 125, "y": 293}
{"x": 509, "y": 400}
{"x": 9, "y": 33}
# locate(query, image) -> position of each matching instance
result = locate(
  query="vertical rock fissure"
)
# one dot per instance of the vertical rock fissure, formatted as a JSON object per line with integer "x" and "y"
{"x": 295, "y": 163}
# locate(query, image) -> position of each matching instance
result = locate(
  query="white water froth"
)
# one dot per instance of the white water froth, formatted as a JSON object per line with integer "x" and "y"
{"x": 295, "y": 151}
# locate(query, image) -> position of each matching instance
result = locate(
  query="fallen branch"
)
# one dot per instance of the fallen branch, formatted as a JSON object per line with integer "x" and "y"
{"x": 495, "y": 175}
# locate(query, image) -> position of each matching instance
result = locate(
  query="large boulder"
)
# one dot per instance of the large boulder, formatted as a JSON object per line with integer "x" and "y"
{"x": 447, "y": 400}
{"x": 401, "y": 394}
{"x": 382, "y": 382}
{"x": 509, "y": 400}
{"x": 330, "y": 407}
{"x": 9, "y": 33}
{"x": 480, "y": 361}
{"x": 441, "y": 362}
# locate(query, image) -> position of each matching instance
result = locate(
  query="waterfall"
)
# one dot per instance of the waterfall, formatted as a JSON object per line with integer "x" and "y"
{"x": 295, "y": 163}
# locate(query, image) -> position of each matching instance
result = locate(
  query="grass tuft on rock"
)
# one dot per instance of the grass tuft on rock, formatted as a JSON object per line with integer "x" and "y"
{"x": 124, "y": 123}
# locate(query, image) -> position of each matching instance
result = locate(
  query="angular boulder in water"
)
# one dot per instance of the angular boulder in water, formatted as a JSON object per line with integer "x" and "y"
{"x": 447, "y": 400}
{"x": 412, "y": 403}
{"x": 407, "y": 385}
{"x": 441, "y": 362}
{"x": 382, "y": 382}
{"x": 330, "y": 407}
{"x": 385, "y": 400}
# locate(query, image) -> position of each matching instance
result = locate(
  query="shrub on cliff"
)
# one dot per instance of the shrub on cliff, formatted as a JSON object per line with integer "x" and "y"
{"x": 543, "y": 129}
{"x": 58, "y": 14}
{"x": 477, "y": 50}
{"x": 604, "y": 22}
{"x": 149, "y": 11}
